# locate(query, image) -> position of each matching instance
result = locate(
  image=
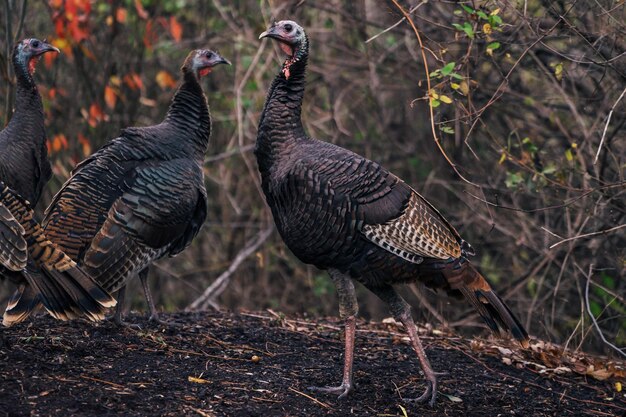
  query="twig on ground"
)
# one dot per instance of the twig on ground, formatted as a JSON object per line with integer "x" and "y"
{"x": 316, "y": 401}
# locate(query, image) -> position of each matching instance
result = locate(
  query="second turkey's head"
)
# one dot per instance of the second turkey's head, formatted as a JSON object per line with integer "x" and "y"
{"x": 27, "y": 53}
{"x": 201, "y": 62}
{"x": 292, "y": 40}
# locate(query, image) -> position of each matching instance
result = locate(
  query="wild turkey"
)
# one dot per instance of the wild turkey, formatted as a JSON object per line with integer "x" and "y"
{"x": 344, "y": 213}
{"x": 27, "y": 256}
{"x": 141, "y": 196}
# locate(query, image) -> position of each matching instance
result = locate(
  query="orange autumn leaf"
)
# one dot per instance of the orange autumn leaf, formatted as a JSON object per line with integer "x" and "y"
{"x": 165, "y": 80}
{"x": 95, "y": 115}
{"x": 110, "y": 98}
{"x": 120, "y": 15}
{"x": 176, "y": 29}
{"x": 141, "y": 12}
{"x": 59, "y": 142}
{"x": 133, "y": 81}
{"x": 82, "y": 139}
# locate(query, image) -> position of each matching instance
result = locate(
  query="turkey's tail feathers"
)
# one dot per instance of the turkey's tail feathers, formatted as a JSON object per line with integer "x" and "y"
{"x": 54, "y": 279}
{"x": 489, "y": 305}
{"x": 66, "y": 295}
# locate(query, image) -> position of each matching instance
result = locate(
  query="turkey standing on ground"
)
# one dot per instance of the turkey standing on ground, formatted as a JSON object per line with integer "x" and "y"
{"x": 141, "y": 196}
{"x": 347, "y": 214}
{"x": 27, "y": 257}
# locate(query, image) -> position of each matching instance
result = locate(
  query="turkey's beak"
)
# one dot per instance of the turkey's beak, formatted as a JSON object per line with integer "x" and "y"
{"x": 46, "y": 47}
{"x": 271, "y": 33}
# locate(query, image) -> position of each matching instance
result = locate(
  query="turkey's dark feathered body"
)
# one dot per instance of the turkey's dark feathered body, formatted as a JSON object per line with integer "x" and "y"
{"x": 340, "y": 211}
{"x": 322, "y": 196}
{"x": 140, "y": 197}
{"x": 24, "y": 165}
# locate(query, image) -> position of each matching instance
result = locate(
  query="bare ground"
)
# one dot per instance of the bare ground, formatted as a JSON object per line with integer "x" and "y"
{"x": 260, "y": 364}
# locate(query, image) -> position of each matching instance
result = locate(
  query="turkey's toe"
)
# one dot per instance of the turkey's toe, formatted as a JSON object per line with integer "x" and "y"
{"x": 343, "y": 390}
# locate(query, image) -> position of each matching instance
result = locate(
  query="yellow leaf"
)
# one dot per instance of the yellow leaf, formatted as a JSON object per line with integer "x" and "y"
{"x": 618, "y": 386}
{"x": 487, "y": 28}
{"x": 455, "y": 86}
{"x": 434, "y": 95}
{"x": 502, "y": 158}
{"x": 568, "y": 155}
{"x": 164, "y": 80}
{"x": 445, "y": 99}
{"x": 495, "y": 12}
{"x": 115, "y": 80}
{"x": 197, "y": 380}
{"x": 464, "y": 88}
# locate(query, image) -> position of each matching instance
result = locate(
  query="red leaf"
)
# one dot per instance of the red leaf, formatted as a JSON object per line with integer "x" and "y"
{"x": 150, "y": 37}
{"x": 141, "y": 12}
{"x": 176, "y": 29}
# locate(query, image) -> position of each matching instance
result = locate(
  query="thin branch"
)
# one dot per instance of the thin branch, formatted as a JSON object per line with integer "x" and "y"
{"x": 430, "y": 105}
{"x": 606, "y": 126}
{"x": 395, "y": 24}
{"x": 621, "y": 351}
{"x": 219, "y": 285}
{"x": 600, "y": 232}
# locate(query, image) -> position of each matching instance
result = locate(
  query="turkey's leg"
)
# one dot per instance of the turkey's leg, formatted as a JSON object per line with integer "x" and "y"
{"x": 118, "y": 315}
{"x": 401, "y": 311}
{"x": 348, "y": 309}
{"x": 154, "y": 314}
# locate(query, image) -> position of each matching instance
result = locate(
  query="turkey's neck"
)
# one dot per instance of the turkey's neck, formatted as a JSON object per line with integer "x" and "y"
{"x": 280, "y": 126}
{"x": 189, "y": 112}
{"x": 28, "y": 115}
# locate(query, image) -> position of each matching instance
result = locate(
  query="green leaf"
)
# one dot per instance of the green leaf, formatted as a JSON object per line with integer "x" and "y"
{"x": 596, "y": 308}
{"x": 495, "y": 20}
{"x": 456, "y": 76}
{"x": 468, "y": 9}
{"x": 435, "y": 74}
{"x": 435, "y": 103}
{"x": 550, "y": 169}
{"x": 468, "y": 29}
{"x": 493, "y": 46}
{"x": 447, "y": 69}
{"x": 482, "y": 15}
{"x": 448, "y": 130}
{"x": 513, "y": 180}
{"x": 608, "y": 281}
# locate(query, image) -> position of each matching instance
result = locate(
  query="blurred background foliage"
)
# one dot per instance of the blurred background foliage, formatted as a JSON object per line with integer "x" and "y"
{"x": 521, "y": 93}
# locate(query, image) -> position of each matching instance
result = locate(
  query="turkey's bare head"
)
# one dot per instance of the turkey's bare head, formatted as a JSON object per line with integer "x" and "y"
{"x": 28, "y": 51}
{"x": 292, "y": 40}
{"x": 201, "y": 62}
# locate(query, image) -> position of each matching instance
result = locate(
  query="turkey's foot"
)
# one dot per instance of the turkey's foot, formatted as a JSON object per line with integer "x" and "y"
{"x": 343, "y": 390}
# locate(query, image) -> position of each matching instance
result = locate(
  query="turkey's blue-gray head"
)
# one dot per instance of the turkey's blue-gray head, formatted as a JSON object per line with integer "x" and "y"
{"x": 201, "y": 62}
{"x": 27, "y": 53}
{"x": 291, "y": 38}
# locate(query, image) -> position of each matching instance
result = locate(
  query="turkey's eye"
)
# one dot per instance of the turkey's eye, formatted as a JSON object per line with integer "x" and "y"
{"x": 288, "y": 27}
{"x": 35, "y": 44}
{"x": 209, "y": 54}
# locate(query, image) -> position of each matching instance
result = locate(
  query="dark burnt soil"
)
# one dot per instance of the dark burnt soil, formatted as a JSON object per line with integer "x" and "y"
{"x": 260, "y": 364}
